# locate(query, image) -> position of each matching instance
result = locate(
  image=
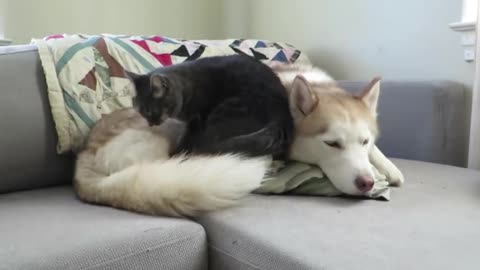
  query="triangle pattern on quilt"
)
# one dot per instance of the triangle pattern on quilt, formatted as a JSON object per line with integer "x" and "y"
{"x": 156, "y": 39}
{"x": 280, "y": 56}
{"x": 295, "y": 56}
{"x": 192, "y": 47}
{"x": 260, "y": 44}
{"x": 181, "y": 51}
{"x": 258, "y": 55}
{"x": 163, "y": 58}
{"x": 288, "y": 52}
{"x": 239, "y": 51}
{"x": 236, "y": 42}
{"x": 197, "y": 54}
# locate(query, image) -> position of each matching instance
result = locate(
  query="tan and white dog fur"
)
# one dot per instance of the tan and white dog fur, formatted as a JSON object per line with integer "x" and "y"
{"x": 127, "y": 164}
{"x": 336, "y": 130}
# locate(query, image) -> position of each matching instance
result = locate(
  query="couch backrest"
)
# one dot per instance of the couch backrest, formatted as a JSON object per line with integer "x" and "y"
{"x": 28, "y": 157}
{"x": 419, "y": 120}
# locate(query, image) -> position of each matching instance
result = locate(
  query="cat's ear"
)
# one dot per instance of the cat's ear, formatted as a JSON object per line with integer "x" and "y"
{"x": 160, "y": 85}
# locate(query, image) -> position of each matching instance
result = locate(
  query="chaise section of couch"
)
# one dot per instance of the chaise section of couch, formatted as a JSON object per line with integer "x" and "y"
{"x": 42, "y": 223}
{"x": 430, "y": 223}
{"x": 50, "y": 229}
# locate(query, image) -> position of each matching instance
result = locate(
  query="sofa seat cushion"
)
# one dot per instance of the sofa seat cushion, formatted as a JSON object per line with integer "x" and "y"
{"x": 433, "y": 222}
{"x": 51, "y": 229}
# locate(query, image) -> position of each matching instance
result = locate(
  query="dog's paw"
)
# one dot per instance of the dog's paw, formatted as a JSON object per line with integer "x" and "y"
{"x": 395, "y": 177}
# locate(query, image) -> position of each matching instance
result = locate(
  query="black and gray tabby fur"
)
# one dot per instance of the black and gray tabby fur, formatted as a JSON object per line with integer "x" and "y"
{"x": 232, "y": 104}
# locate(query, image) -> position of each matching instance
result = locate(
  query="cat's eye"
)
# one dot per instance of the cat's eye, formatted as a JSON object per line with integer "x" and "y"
{"x": 165, "y": 84}
{"x": 365, "y": 142}
{"x": 334, "y": 144}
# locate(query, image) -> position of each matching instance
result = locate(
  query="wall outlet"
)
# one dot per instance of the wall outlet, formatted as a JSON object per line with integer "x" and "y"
{"x": 469, "y": 54}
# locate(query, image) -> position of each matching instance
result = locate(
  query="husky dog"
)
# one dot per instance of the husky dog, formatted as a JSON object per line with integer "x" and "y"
{"x": 335, "y": 129}
{"x": 126, "y": 164}
{"x": 231, "y": 104}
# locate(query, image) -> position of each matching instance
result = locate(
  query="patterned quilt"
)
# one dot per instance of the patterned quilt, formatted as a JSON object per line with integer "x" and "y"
{"x": 85, "y": 74}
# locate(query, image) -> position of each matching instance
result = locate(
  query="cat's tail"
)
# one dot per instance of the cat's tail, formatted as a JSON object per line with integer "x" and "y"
{"x": 175, "y": 187}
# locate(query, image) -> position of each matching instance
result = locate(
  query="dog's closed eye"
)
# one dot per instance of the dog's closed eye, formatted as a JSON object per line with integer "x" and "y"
{"x": 334, "y": 144}
{"x": 365, "y": 141}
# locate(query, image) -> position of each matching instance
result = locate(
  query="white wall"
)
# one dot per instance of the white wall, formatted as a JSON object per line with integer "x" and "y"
{"x": 236, "y": 18}
{"x": 352, "y": 39}
{"x": 358, "y": 39}
{"x": 176, "y": 18}
{"x": 2, "y": 17}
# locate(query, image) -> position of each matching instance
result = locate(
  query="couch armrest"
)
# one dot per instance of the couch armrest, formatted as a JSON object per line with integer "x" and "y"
{"x": 422, "y": 120}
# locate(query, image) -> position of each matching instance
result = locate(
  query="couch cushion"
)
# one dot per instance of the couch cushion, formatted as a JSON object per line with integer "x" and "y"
{"x": 431, "y": 223}
{"x": 28, "y": 158}
{"x": 51, "y": 229}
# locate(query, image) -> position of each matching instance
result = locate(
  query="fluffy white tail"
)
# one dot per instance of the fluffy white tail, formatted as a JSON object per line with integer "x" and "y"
{"x": 174, "y": 187}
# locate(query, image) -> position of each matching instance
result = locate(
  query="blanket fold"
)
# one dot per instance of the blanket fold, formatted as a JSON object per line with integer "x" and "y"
{"x": 299, "y": 178}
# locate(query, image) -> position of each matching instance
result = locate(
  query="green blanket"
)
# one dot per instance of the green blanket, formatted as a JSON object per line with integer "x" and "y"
{"x": 298, "y": 178}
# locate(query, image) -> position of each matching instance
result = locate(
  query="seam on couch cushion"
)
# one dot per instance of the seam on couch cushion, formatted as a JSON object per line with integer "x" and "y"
{"x": 249, "y": 264}
{"x": 153, "y": 248}
{"x": 13, "y": 49}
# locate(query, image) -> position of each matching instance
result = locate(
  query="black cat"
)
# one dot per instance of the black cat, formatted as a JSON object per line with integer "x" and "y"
{"x": 232, "y": 104}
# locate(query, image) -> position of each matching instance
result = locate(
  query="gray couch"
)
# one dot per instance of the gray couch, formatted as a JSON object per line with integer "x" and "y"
{"x": 431, "y": 223}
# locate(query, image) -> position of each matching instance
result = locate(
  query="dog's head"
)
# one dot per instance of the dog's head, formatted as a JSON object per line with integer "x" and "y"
{"x": 335, "y": 130}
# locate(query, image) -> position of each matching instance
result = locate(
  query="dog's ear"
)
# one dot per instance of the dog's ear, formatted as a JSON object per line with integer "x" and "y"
{"x": 370, "y": 94}
{"x": 160, "y": 85}
{"x": 302, "y": 99}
